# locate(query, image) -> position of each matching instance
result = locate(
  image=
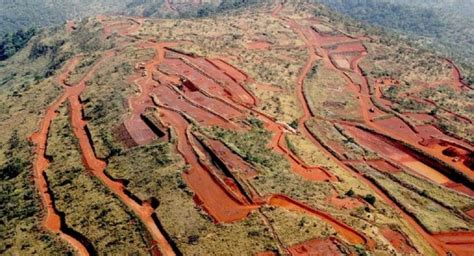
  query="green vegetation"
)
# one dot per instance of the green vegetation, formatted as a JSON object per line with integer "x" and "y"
{"x": 275, "y": 175}
{"x": 89, "y": 207}
{"x": 155, "y": 171}
{"x": 21, "y": 231}
{"x": 335, "y": 140}
{"x": 433, "y": 216}
{"x": 329, "y": 97}
{"x": 16, "y": 15}
{"x": 106, "y": 112}
{"x": 448, "y": 197}
{"x": 294, "y": 228}
{"x": 369, "y": 198}
{"x": 444, "y": 25}
{"x": 11, "y": 43}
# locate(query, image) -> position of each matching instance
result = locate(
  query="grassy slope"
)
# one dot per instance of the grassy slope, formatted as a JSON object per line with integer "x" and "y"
{"x": 16, "y": 15}
{"x": 177, "y": 212}
{"x": 443, "y": 24}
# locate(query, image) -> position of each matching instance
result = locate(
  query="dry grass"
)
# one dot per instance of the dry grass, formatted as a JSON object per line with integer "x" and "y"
{"x": 294, "y": 228}
{"x": 89, "y": 207}
{"x": 329, "y": 96}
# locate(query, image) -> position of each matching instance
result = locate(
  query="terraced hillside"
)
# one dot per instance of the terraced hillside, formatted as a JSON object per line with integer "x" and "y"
{"x": 275, "y": 129}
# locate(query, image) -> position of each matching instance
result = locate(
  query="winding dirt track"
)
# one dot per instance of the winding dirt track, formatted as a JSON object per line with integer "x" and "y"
{"x": 439, "y": 245}
{"x": 197, "y": 95}
{"x": 144, "y": 212}
{"x": 52, "y": 220}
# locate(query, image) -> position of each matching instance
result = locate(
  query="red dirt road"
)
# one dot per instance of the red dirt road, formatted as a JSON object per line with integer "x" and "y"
{"x": 313, "y": 41}
{"x": 96, "y": 166}
{"x": 211, "y": 92}
{"x": 212, "y": 195}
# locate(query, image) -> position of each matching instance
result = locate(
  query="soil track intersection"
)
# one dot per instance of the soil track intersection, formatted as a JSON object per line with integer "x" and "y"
{"x": 189, "y": 91}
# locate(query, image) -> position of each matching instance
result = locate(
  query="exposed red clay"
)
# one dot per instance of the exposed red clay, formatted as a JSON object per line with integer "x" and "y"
{"x": 52, "y": 220}
{"x": 316, "y": 247}
{"x": 470, "y": 213}
{"x": 399, "y": 241}
{"x": 232, "y": 160}
{"x": 461, "y": 243}
{"x": 349, "y": 234}
{"x": 212, "y": 92}
{"x": 457, "y": 77}
{"x": 344, "y": 202}
{"x": 96, "y": 166}
{"x": 213, "y": 196}
{"x": 258, "y": 45}
{"x": 229, "y": 69}
{"x": 384, "y": 166}
{"x": 311, "y": 42}
{"x": 70, "y": 26}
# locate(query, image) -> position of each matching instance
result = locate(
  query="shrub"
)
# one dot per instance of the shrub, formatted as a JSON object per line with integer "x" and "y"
{"x": 369, "y": 198}
{"x": 350, "y": 193}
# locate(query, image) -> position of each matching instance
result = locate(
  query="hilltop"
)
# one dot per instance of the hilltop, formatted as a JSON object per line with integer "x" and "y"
{"x": 274, "y": 128}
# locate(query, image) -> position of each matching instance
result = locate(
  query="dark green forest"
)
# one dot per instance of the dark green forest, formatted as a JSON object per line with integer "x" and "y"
{"x": 11, "y": 43}
{"x": 446, "y": 26}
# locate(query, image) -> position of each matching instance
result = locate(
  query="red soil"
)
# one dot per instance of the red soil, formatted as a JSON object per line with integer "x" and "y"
{"x": 421, "y": 117}
{"x": 52, "y": 220}
{"x": 96, "y": 166}
{"x": 313, "y": 40}
{"x": 398, "y": 128}
{"x": 316, "y": 247}
{"x": 387, "y": 150}
{"x": 70, "y": 26}
{"x": 212, "y": 93}
{"x": 277, "y": 9}
{"x": 345, "y": 202}
{"x": 207, "y": 77}
{"x": 399, "y": 241}
{"x": 348, "y": 233}
{"x": 470, "y": 213}
{"x": 457, "y": 77}
{"x": 222, "y": 205}
{"x": 233, "y": 161}
{"x": 348, "y": 48}
{"x": 383, "y": 165}
{"x": 258, "y": 45}
{"x": 278, "y": 144}
{"x": 230, "y": 70}
{"x": 460, "y": 243}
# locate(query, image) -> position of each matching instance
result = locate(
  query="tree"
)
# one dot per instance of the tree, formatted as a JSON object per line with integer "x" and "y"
{"x": 369, "y": 198}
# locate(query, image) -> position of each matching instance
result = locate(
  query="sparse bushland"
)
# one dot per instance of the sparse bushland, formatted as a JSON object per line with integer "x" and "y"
{"x": 154, "y": 171}
{"x": 329, "y": 97}
{"x": 11, "y": 43}
{"x": 294, "y": 228}
{"x": 428, "y": 213}
{"x": 440, "y": 25}
{"x": 277, "y": 66}
{"x": 333, "y": 139}
{"x": 21, "y": 231}
{"x": 24, "y": 95}
{"x": 89, "y": 207}
{"x": 106, "y": 112}
{"x": 448, "y": 197}
{"x": 275, "y": 177}
{"x": 33, "y": 13}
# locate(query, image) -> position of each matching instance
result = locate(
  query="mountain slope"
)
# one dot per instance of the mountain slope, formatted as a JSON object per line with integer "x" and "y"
{"x": 445, "y": 25}
{"x": 275, "y": 128}
{"x": 15, "y": 15}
